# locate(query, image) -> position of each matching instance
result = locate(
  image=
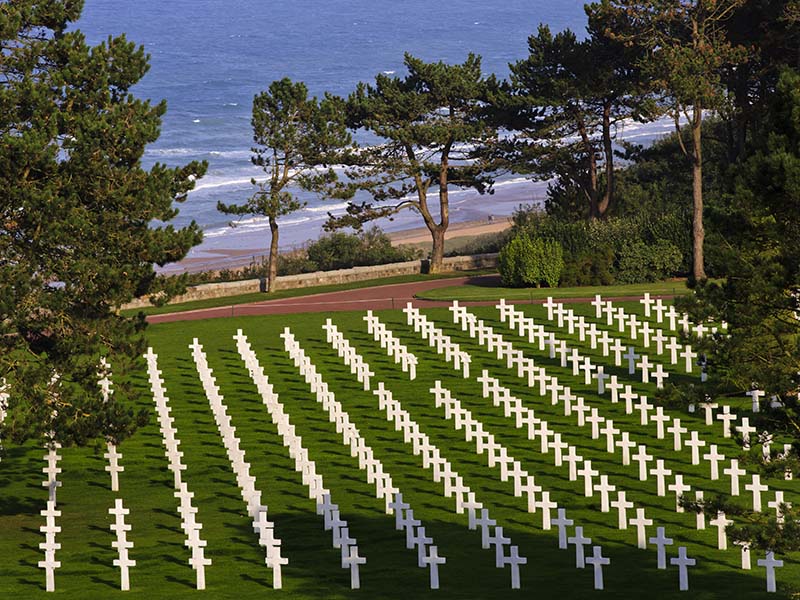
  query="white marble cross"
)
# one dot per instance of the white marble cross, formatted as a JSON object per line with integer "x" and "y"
{"x": 631, "y": 357}
{"x": 734, "y": 472}
{"x": 660, "y": 472}
{"x": 677, "y": 432}
{"x": 695, "y": 443}
{"x": 641, "y": 522}
{"x": 499, "y": 541}
{"x": 546, "y": 505}
{"x": 433, "y": 560}
{"x": 661, "y": 541}
{"x": 756, "y": 487}
{"x": 352, "y": 561}
{"x": 755, "y": 396}
{"x": 714, "y": 458}
{"x": 484, "y": 522}
{"x": 622, "y": 505}
{"x": 683, "y": 562}
{"x": 598, "y": 561}
{"x": 720, "y": 522}
{"x": 579, "y": 540}
{"x": 515, "y": 560}
{"x": 113, "y": 466}
{"x": 770, "y": 563}
{"x": 642, "y": 457}
{"x": 562, "y": 522}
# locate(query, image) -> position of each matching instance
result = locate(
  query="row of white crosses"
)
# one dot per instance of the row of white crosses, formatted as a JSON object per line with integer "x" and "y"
{"x": 50, "y": 529}
{"x": 375, "y": 472}
{"x": 721, "y": 522}
{"x": 437, "y": 338}
{"x": 257, "y": 511}
{"x": 508, "y": 312}
{"x": 454, "y": 487}
{"x": 52, "y": 470}
{"x": 381, "y": 334}
{"x": 169, "y": 437}
{"x": 649, "y": 369}
{"x": 504, "y": 349}
{"x": 524, "y": 483}
{"x": 565, "y": 453}
{"x": 114, "y": 468}
{"x": 348, "y": 354}
{"x": 122, "y": 544}
{"x": 333, "y": 521}
{"x": 427, "y": 553}
{"x": 724, "y": 415}
{"x": 563, "y": 394}
{"x": 442, "y": 471}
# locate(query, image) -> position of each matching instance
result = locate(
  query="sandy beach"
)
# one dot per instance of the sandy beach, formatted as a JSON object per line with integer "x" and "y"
{"x": 231, "y": 258}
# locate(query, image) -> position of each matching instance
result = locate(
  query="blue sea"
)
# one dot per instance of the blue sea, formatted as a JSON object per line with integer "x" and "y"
{"x": 208, "y": 58}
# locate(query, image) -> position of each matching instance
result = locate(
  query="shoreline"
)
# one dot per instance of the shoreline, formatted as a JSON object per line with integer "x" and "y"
{"x": 218, "y": 259}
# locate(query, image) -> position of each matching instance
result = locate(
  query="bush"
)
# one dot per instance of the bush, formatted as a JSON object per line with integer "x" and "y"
{"x": 526, "y": 262}
{"x": 295, "y": 263}
{"x": 640, "y": 263}
{"x": 344, "y": 250}
{"x": 589, "y": 268}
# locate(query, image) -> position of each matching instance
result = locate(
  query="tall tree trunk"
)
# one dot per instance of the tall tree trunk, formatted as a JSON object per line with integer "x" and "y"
{"x": 592, "y": 167}
{"x": 608, "y": 149}
{"x": 437, "y": 251}
{"x": 698, "y": 232}
{"x": 438, "y": 231}
{"x": 273, "y": 254}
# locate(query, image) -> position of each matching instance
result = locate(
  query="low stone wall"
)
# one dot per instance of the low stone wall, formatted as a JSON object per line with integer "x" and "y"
{"x": 208, "y": 291}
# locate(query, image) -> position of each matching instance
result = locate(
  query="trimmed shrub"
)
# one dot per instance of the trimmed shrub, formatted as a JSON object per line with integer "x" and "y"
{"x": 589, "y": 268}
{"x": 528, "y": 262}
{"x": 638, "y": 262}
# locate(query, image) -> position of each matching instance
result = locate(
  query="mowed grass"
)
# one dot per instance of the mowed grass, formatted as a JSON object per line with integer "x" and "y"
{"x": 296, "y": 293}
{"x": 477, "y": 292}
{"x": 391, "y": 571}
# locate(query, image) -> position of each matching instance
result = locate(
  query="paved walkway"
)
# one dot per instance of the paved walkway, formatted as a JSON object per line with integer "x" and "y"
{"x": 376, "y": 298}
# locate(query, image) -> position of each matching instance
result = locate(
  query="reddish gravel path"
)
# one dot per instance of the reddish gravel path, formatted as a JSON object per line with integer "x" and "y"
{"x": 375, "y": 298}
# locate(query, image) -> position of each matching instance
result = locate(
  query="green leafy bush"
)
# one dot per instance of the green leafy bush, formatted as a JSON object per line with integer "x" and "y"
{"x": 527, "y": 262}
{"x": 638, "y": 262}
{"x": 589, "y": 268}
{"x": 344, "y": 250}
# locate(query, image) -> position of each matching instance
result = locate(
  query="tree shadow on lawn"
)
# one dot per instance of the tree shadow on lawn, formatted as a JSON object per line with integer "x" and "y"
{"x": 488, "y": 281}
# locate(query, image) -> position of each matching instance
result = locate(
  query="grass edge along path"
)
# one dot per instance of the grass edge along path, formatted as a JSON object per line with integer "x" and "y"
{"x": 468, "y": 292}
{"x": 295, "y": 293}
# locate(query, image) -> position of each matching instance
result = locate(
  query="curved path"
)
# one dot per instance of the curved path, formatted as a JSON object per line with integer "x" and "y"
{"x": 375, "y": 298}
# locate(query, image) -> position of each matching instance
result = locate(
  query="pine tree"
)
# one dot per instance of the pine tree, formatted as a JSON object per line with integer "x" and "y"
{"x": 687, "y": 48}
{"x": 295, "y": 136}
{"x": 433, "y": 135}
{"x": 75, "y": 214}
{"x": 564, "y": 102}
{"x": 760, "y": 301}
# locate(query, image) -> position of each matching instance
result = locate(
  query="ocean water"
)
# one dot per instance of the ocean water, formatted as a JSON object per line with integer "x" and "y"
{"x": 210, "y": 57}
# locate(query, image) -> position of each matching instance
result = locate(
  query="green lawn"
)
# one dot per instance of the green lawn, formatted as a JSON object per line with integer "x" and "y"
{"x": 391, "y": 572}
{"x": 294, "y": 293}
{"x": 481, "y": 292}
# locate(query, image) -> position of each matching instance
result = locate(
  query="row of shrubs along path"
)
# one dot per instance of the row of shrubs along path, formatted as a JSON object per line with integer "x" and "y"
{"x": 381, "y": 297}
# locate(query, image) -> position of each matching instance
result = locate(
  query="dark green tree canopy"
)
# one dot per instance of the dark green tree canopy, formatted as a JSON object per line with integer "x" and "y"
{"x": 433, "y": 134}
{"x": 297, "y": 138}
{"x": 75, "y": 215}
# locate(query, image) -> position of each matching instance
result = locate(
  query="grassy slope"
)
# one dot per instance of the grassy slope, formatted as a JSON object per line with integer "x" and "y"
{"x": 479, "y": 292}
{"x": 314, "y": 572}
{"x": 294, "y": 293}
